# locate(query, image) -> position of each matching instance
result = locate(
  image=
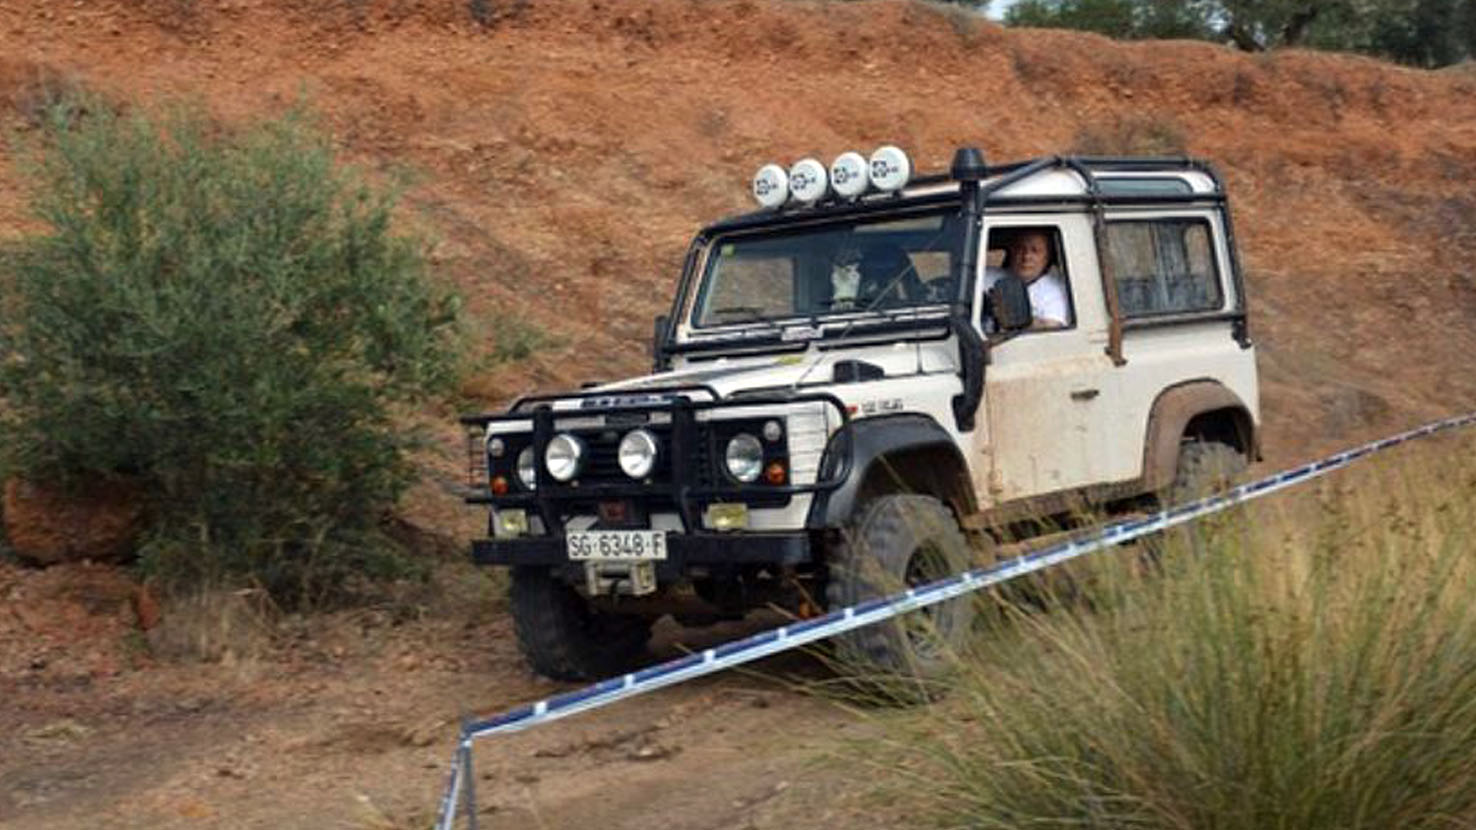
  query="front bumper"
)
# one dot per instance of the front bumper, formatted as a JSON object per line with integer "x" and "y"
{"x": 683, "y": 551}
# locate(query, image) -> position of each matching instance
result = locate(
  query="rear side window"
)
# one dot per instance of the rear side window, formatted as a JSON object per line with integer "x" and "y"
{"x": 1164, "y": 266}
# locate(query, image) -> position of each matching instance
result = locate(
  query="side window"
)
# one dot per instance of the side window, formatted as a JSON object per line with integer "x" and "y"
{"x": 1034, "y": 254}
{"x": 1164, "y": 266}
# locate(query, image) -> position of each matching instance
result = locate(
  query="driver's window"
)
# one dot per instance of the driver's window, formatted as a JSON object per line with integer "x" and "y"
{"x": 1034, "y": 254}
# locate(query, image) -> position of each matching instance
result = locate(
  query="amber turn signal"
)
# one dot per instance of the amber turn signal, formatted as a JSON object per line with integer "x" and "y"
{"x": 774, "y": 473}
{"x": 499, "y": 486}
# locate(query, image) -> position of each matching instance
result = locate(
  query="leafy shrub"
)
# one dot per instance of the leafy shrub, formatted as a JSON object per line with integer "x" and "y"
{"x": 1312, "y": 670}
{"x": 228, "y": 318}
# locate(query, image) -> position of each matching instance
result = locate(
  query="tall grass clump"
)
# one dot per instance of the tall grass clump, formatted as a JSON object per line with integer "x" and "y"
{"x": 226, "y": 321}
{"x": 1310, "y": 664}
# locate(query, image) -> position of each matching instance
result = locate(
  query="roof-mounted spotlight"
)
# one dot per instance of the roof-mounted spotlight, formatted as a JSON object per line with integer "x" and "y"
{"x": 771, "y": 186}
{"x": 807, "y": 181}
{"x": 848, "y": 176}
{"x": 890, "y": 168}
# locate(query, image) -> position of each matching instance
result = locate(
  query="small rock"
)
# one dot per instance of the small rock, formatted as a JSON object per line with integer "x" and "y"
{"x": 652, "y": 752}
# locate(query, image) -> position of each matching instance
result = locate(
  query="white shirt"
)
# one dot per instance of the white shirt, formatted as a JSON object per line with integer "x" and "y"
{"x": 1048, "y": 298}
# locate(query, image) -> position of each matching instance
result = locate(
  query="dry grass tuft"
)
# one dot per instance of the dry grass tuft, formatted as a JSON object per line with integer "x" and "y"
{"x": 1313, "y": 666}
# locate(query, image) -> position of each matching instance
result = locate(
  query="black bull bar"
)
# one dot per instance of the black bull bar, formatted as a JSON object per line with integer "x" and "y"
{"x": 548, "y": 498}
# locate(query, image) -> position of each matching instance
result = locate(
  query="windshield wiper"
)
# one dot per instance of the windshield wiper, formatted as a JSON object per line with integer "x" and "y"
{"x": 747, "y": 314}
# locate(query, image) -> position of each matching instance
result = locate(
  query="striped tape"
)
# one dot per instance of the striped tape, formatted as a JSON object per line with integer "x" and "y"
{"x": 802, "y": 633}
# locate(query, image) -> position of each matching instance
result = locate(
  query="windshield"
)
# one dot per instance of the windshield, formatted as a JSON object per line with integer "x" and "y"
{"x": 843, "y": 268}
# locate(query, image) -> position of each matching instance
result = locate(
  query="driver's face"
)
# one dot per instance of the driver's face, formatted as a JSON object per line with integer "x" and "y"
{"x": 1029, "y": 255}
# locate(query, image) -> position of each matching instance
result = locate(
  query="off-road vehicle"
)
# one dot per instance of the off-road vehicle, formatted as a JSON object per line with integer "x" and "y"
{"x": 852, "y": 391}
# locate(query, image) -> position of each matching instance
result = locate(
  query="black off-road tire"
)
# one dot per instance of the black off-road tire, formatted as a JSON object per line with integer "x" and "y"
{"x": 1203, "y": 468}
{"x": 563, "y": 638}
{"x": 899, "y": 541}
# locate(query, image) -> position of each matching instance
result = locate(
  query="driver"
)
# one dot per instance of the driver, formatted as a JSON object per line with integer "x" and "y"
{"x": 1030, "y": 258}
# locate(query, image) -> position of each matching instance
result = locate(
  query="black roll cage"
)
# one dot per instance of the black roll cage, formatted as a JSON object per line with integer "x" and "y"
{"x": 970, "y": 200}
{"x": 549, "y": 496}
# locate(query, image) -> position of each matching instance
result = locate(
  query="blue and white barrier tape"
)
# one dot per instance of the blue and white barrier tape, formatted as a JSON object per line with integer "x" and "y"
{"x": 801, "y": 633}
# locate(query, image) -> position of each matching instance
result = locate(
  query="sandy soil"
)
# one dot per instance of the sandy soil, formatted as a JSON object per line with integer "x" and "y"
{"x": 564, "y": 150}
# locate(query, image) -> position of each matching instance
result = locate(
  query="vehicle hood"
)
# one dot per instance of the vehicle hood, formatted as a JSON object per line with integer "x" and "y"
{"x": 728, "y": 376}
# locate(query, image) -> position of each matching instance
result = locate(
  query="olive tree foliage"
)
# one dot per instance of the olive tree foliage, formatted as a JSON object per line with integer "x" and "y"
{"x": 1427, "y": 33}
{"x": 224, "y": 321}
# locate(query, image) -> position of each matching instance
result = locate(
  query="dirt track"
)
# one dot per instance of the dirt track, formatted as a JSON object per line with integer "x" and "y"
{"x": 349, "y": 719}
{"x": 564, "y": 154}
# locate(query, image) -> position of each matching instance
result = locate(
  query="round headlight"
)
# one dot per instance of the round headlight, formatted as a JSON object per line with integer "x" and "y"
{"x": 526, "y": 473}
{"x": 496, "y": 447}
{"x": 745, "y": 457}
{"x": 563, "y": 456}
{"x": 638, "y": 453}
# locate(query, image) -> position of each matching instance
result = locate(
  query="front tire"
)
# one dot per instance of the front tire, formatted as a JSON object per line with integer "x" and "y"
{"x": 901, "y": 541}
{"x": 563, "y": 638}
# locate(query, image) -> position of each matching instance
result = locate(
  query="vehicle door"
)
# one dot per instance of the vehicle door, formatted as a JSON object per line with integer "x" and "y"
{"x": 1048, "y": 394}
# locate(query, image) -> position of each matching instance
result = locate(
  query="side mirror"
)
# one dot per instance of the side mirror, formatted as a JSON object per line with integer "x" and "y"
{"x": 1011, "y": 303}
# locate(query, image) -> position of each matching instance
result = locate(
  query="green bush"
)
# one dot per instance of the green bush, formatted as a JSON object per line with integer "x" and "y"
{"x": 1313, "y": 669}
{"x": 228, "y": 319}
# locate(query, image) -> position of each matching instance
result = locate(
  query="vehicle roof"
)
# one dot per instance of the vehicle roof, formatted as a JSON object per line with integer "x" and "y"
{"x": 1063, "y": 179}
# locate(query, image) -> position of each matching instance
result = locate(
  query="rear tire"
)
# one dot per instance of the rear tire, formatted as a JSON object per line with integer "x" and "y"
{"x": 901, "y": 541}
{"x": 563, "y": 638}
{"x": 1204, "y": 468}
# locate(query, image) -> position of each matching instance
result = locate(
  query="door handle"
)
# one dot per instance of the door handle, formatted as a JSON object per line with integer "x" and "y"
{"x": 1083, "y": 394}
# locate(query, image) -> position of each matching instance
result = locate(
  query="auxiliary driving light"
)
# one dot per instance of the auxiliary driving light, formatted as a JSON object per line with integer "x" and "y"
{"x": 726, "y": 516}
{"x": 771, "y": 186}
{"x": 848, "y": 175}
{"x": 808, "y": 181}
{"x": 510, "y": 524}
{"x": 527, "y": 473}
{"x": 637, "y": 453}
{"x": 563, "y": 456}
{"x": 890, "y": 168}
{"x": 745, "y": 458}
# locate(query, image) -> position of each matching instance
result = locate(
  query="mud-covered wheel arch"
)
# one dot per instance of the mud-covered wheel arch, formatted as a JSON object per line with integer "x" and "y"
{"x": 564, "y": 638}
{"x": 1197, "y": 412}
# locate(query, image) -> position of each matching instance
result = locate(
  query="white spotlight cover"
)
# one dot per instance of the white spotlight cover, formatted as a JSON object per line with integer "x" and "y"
{"x": 890, "y": 168}
{"x": 848, "y": 175}
{"x": 771, "y": 186}
{"x": 807, "y": 181}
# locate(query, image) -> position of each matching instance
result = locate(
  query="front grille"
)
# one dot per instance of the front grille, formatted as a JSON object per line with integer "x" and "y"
{"x": 603, "y": 463}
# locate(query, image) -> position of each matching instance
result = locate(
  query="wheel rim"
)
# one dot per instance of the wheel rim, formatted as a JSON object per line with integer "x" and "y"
{"x": 925, "y": 630}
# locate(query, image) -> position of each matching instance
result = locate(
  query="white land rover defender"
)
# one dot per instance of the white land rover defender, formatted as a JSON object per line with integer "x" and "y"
{"x": 852, "y": 392}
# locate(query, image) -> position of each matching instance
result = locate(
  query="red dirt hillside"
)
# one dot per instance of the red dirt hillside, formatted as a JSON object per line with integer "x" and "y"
{"x": 564, "y": 151}
{"x": 568, "y": 149}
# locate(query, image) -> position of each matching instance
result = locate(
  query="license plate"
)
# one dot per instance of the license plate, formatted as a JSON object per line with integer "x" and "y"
{"x": 616, "y": 545}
